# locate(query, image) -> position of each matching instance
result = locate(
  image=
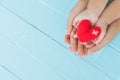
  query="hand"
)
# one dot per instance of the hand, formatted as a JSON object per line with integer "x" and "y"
{"x": 112, "y": 31}
{"x": 105, "y": 20}
{"x": 110, "y": 14}
{"x": 79, "y": 7}
{"x": 87, "y": 12}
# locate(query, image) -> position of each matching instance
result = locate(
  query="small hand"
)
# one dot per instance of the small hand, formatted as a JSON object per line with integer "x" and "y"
{"x": 89, "y": 13}
{"x": 79, "y": 7}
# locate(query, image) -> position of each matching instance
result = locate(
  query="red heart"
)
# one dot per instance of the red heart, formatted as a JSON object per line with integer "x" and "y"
{"x": 87, "y": 33}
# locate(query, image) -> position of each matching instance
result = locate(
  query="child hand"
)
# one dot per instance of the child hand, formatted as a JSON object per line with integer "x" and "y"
{"x": 79, "y": 7}
{"x": 92, "y": 13}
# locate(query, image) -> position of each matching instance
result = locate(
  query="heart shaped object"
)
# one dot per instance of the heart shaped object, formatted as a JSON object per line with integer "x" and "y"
{"x": 87, "y": 33}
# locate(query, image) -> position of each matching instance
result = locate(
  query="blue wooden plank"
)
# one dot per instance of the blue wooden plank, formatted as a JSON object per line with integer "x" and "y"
{"x": 7, "y": 21}
{"x": 19, "y": 55}
{"x": 37, "y": 11}
{"x": 15, "y": 59}
{"x": 58, "y": 57}
{"x": 26, "y": 68}
{"x": 5, "y": 75}
{"x": 41, "y": 16}
{"x": 18, "y": 61}
{"x": 60, "y": 7}
{"x": 107, "y": 60}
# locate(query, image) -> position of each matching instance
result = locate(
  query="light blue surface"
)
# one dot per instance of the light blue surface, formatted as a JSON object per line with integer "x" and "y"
{"x": 5, "y": 75}
{"x": 32, "y": 46}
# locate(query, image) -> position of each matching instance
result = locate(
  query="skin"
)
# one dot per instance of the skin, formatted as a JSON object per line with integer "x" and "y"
{"x": 79, "y": 7}
{"x": 112, "y": 31}
{"x": 109, "y": 16}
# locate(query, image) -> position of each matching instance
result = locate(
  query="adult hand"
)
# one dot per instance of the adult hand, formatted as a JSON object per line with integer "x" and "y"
{"x": 112, "y": 31}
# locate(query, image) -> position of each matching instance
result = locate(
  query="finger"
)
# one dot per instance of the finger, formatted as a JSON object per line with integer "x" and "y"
{"x": 75, "y": 22}
{"x": 75, "y": 35}
{"x": 85, "y": 50}
{"x": 67, "y": 39}
{"x": 79, "y": 7}
{"x": 86, "y": 43}
{"x": 74, "y": 30}
{"x": 73, "y": 43}
{"x": 80, "y": 49}
{"x": 112, "y": 31}
{"x": 90, "y": 45}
